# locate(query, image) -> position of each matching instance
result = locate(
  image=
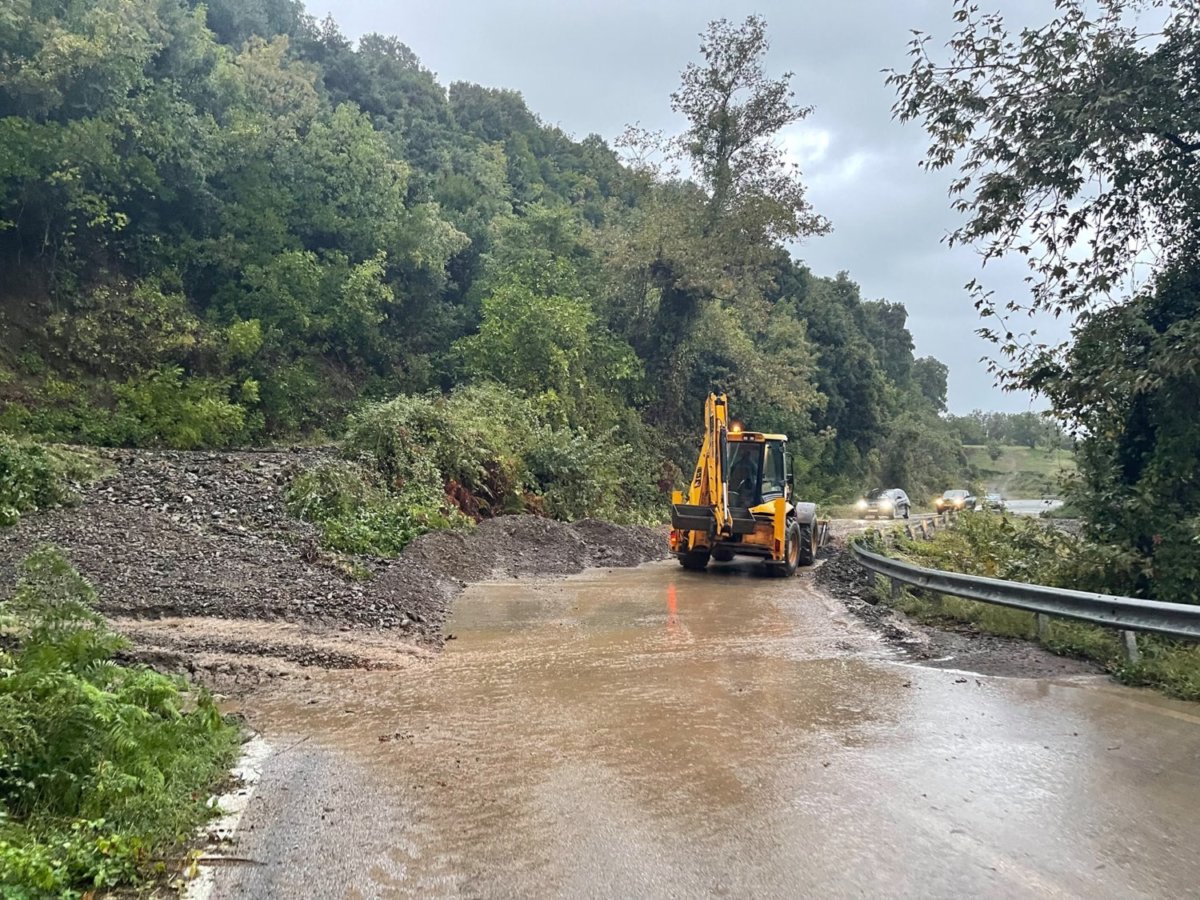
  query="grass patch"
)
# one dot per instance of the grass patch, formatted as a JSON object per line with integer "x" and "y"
{"x": 104, "y": 766}
{"x": 1021, "y": 472}
{"x": 1022, "y": 549}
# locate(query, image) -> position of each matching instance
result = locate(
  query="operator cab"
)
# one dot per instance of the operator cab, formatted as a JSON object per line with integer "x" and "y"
{"x": 757, "y": 468}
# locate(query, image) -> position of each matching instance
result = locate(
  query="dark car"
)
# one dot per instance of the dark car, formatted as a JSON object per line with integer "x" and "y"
{"x": 992, "y": 501}
{"x": 890, "y": 502}
{"x": 953, "y": 499}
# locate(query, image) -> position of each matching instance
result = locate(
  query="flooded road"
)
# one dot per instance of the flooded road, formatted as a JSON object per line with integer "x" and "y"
{"x": 653, "y": 732}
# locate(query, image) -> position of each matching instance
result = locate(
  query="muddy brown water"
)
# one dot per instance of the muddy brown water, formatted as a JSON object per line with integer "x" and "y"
{"x": 652, "y": 732}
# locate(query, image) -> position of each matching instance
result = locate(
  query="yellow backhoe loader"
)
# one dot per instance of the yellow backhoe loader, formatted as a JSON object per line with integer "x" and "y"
{"x": 741, "y": 500}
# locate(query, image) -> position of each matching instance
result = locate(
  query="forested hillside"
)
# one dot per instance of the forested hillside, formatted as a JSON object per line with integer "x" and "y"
{"x": 226, "y": 224}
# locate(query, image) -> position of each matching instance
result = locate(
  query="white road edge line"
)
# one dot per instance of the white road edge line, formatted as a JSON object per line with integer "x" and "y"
{"x": 248, "y": 770}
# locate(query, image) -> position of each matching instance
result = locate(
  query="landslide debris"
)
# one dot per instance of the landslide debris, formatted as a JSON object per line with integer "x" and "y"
{"x": 846, "y": 580}
{"x": 173, "y": 534}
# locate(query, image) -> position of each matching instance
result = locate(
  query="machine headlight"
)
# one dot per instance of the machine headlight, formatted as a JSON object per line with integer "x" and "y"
{"x": 885, "y": 504}
{"x": 861, "y": 504}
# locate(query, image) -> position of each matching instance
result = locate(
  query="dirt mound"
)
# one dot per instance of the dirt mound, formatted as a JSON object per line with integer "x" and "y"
{"x": 176, "y": 534}
{"x": 845, "y": 579}
{"x": 526, "y": 545}
{"x": 435, "y": 567}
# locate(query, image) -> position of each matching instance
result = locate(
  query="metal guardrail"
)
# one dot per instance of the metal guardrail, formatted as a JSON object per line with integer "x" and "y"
{"x": 1129, "y": 614}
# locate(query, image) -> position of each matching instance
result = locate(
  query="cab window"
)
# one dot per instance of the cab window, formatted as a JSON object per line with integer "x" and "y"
{"x": 745, "y": 458}
{"x": 773, "y": 472}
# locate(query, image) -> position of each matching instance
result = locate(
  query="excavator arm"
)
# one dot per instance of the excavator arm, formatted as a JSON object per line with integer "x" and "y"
{"x": 707, "y": 502}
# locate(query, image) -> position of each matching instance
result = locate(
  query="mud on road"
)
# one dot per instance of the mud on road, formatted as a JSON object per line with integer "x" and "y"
{"x": 196, "y": 558}
{"x": 944, "y": 646}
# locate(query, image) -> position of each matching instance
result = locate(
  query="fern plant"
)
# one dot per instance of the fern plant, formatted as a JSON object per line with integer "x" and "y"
{"x": 100, "y": 763}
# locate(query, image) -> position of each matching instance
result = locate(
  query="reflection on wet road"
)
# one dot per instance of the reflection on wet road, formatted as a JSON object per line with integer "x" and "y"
{"x": 652, "y": 732}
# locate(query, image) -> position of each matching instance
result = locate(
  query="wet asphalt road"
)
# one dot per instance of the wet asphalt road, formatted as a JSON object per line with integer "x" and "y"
{"x": 656, "y": 733}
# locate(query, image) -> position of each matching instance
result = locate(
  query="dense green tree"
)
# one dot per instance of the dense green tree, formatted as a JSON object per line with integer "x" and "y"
{"x": 1077, "y": 147}
{"x": 278, "y": 222}
{"x": 704, "y": 245}
{"x": 931, "y": 377}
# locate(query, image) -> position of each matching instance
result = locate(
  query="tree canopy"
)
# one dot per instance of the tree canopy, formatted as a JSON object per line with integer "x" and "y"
{"x": 226, "y": 222}
{"x": 1076, "y": 146}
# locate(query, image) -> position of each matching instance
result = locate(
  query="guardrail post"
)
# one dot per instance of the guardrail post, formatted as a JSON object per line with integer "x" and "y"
{"x": 1130, "y": 646}
{"x": 897, "y": 587}
{"x": 1043, "y": 622}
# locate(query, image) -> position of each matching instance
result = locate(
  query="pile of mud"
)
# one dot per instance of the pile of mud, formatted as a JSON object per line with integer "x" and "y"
{"x": 177, "y": 535}
{"x": 844, "y": 578}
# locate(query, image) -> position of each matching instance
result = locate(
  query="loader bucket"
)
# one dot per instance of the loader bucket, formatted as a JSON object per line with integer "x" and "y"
{"x": 743, "y": 520}
{"x": 685, "y": 517}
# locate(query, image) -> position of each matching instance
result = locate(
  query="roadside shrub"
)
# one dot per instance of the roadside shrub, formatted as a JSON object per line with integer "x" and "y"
{"x": 572, "y": 472}
{"x": 28, "y": 480}
{"x": 75, "y": 421}
{"x": 578, "y": 475}
{"x": 419, "y": 463}
{"x": 33, "y": 477}
{"x": 358, "y": 514}
{"x": 123, "y": 328}
{"x": 1020, "y": 549}
{"x": 162, "y": 408}
{"x": 476, "y": 437}
{"x": 492, "y": 442}
{"x": 999, "y": 546}
{"x": 103, "y": 765}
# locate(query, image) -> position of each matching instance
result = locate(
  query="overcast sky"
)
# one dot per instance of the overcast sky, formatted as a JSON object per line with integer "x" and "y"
{"x": 599, "y": 65}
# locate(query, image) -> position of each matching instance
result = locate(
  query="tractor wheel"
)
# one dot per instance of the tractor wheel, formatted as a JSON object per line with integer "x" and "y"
{"x": 793, "y": 551}
{"x": 808, "y": 548}
{"x": 695, "y": 561}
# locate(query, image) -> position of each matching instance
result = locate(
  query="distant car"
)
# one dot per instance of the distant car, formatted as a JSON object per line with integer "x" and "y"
{"x": 890, "y": 502}
{"x": 992, "y": 501}
{"x": 954, "y": 499}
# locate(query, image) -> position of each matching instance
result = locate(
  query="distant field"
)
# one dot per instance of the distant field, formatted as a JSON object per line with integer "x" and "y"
{"x": 1021, "y": 472}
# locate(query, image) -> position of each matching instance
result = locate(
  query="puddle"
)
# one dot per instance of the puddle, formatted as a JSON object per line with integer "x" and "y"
{"x": 653, "y": 732}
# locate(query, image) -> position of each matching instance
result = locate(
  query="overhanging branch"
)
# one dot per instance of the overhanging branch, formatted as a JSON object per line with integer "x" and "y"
{"x": 1185, "y": 146}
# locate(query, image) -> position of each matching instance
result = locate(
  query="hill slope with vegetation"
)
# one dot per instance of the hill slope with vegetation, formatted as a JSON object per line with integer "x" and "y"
{"x": 227, "y": 224}
{"x": 1015, "y": 472}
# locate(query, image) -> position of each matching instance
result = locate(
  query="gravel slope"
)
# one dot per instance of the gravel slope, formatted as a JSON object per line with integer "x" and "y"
{"x": 179, "y": 536}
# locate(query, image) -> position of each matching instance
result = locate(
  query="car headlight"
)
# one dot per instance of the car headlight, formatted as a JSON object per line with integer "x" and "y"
{"x": 861, "y": 504}
{"x": 885, "y": 504}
